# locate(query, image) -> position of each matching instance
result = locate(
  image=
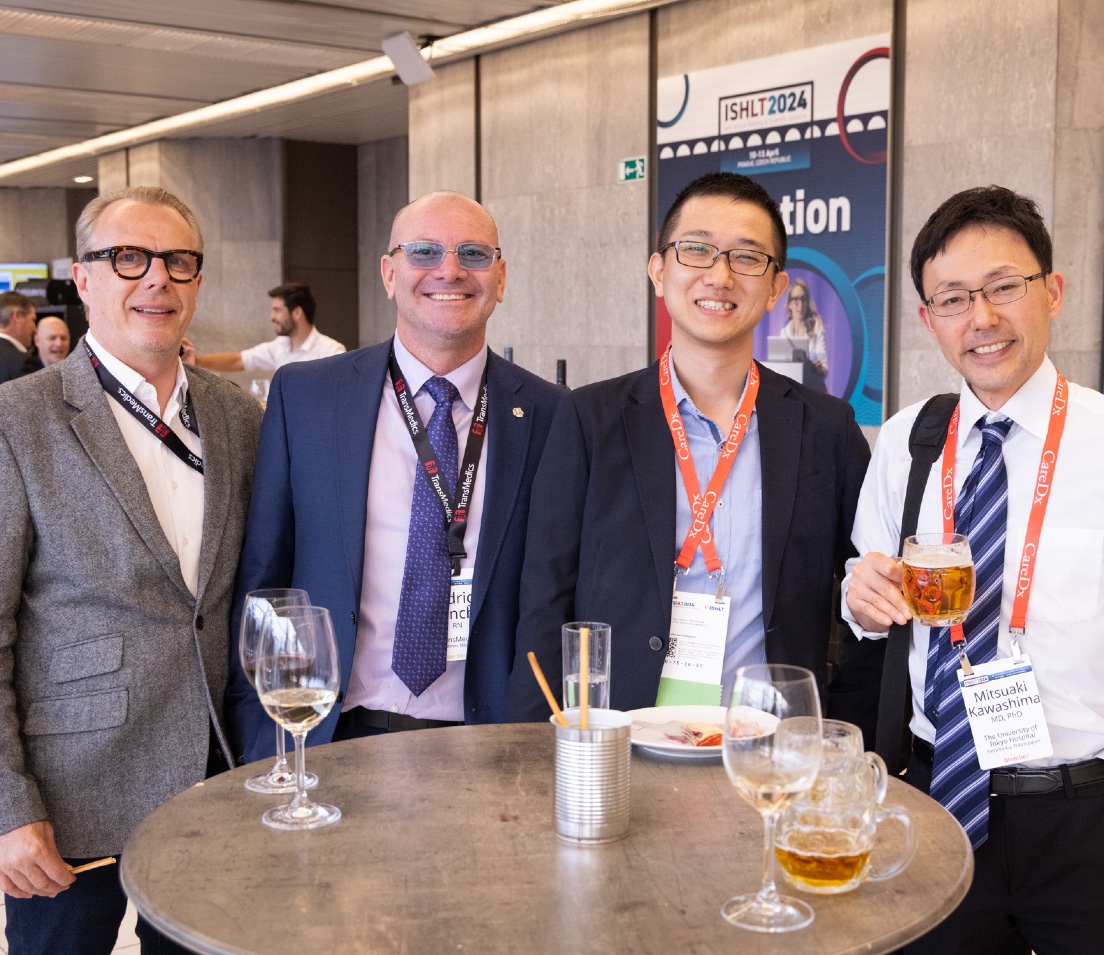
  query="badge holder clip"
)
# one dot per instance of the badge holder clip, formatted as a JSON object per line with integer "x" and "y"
{"x": 720, "y": 575}
{"x": 1017, "y": 653}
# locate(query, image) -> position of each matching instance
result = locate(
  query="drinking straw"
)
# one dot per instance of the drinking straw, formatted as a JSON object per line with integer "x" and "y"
{"x": 539, "y": 674}
{"x": 110, "y": 860}
{"x": 584, "y": 676}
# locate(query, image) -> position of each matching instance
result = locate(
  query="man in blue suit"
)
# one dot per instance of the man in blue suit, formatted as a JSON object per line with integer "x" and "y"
{"x": 357, "y": 500}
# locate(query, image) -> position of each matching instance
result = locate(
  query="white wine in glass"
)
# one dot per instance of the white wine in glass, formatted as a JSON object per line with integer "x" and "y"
{"x": 297, "y": 673}
{"x": 772, "y": 748}
{"x": 258, "y": 607}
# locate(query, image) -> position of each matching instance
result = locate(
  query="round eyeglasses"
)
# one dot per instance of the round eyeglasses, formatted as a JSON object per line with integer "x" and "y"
{"x": 131, "y": 262}
{"x": 1002, "y": 291}
{"x": 702, "y": 255}
{"x": 429, "y": 255}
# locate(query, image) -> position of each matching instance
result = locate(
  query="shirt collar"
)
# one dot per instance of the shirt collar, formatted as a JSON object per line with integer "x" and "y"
{"x": 466, "y": 378}
{"x": 134, "y": 382}
{"x": 681, "y": 396}
{"x": 15, "y": 341}
{"x": 1029, "y": 407}
{"x": 308, "y": 342}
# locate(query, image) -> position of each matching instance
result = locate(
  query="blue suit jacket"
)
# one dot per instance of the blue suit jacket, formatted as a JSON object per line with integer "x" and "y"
{"x": 602, "y": 531}
{"x": 309, "y": 508}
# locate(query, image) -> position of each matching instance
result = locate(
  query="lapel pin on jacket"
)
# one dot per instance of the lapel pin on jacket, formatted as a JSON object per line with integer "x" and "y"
{"x": 519, "y": 413}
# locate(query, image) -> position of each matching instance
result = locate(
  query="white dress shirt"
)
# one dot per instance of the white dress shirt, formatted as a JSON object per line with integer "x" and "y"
{"x": 373, "y": 684}
{"x": 175, "y": 488}
{"x": 16, "y": 342}
{"x": 268, "y": 356}
{"x": 1065, "y": 616}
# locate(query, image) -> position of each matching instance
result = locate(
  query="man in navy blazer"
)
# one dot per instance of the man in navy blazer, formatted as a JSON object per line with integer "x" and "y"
{"x": 335, "y": 503}
{"x": 610, "y": 507}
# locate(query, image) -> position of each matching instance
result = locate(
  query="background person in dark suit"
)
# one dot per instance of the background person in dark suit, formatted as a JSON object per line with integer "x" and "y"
{"x": 113, "y": 626}
{"x": 342, "y": 507}
{"x": 17, "y": 327}
{"x": 610, "y": 507}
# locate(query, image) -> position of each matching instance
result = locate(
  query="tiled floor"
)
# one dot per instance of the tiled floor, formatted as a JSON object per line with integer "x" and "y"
{"x": 127, "y": 944}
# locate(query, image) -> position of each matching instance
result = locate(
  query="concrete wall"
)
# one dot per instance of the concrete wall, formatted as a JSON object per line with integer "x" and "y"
{"x": 382, "y": 177}
{"x": 1003, "y": 91}
{"x": 33, "y": 225}
{"x": 235, "y": 188}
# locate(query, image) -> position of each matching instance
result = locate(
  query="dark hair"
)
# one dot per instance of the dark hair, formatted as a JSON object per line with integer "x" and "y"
{"x": 11, "y": 302}
{"x": 295, "y": 295}
{"x": 992, "y": 206}
{"x": 728, "y": 185}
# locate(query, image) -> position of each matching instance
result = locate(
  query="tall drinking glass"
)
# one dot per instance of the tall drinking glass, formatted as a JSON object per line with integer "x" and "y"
{"x": 258, "y": 607}
{"x": 939, "y": 578}
{"x": 297, "y": 680}
{"x": 772, "y": 749}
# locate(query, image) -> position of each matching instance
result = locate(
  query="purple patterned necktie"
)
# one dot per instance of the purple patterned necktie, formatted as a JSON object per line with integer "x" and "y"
{"x": 421, "y": 628}
{"x": 958, "y": 781}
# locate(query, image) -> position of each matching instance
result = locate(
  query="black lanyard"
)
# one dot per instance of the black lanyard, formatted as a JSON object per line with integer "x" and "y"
{"x": 152, "y": 423}
{"x": 455, "y": 513}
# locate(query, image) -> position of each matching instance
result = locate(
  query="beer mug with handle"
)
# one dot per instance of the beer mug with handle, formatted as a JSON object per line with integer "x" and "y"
{"x": 939, "y": 578}
{"x": 826, "y": 840}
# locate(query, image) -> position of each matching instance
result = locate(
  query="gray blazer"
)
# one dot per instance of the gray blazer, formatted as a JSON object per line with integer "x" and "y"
{"x": 110, "y": 671}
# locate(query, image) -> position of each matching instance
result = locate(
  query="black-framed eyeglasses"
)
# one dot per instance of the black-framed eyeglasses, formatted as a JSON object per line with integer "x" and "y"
{"x": 1002, "y": 291}
{"x": 132, "y": 262}
{"x": 702, "y": 255}
{"x": 428, "y": 255}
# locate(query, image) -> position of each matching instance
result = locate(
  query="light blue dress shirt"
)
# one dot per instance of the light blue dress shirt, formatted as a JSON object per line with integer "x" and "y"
{"x": 737, "y": 524}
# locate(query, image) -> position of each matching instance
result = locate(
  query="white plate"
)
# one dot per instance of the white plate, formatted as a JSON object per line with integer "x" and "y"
{"x": 652, "y": 741}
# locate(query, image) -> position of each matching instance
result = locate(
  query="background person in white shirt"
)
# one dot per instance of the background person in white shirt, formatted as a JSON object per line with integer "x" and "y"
{"x": 296, "y": 337}
{"x": 982, "y": 265}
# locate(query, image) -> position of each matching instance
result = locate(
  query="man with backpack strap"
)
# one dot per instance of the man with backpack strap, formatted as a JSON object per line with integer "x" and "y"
{"x": 1007, "y": 712}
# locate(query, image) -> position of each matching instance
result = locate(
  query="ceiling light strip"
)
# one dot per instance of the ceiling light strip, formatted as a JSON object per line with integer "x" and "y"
{"x": 529, "y": 26}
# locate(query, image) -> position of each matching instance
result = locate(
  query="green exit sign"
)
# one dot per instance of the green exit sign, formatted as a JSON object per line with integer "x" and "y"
{"x": 630, "y": 170}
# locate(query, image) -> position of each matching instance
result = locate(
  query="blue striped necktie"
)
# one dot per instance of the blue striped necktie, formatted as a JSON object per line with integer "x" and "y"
{"x": 958, "y": 781}
{"x": 421, "y": 626}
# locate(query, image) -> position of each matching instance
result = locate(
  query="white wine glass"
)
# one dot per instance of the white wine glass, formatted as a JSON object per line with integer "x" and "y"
{"x": 297, "y": 680}
{"x": 772, "y": 750}
{"x": 259, "y": 604}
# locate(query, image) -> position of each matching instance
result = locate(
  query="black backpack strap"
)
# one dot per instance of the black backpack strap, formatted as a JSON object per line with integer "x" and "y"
{"x": 929, "y": 433}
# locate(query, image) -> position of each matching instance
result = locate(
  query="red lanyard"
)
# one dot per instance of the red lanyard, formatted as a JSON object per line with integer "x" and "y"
{"x": 701, "y": 506}
{"x": 1047, "y": 462}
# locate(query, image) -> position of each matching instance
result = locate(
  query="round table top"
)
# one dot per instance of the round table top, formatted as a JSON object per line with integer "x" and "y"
{"x": 446, "y": 844}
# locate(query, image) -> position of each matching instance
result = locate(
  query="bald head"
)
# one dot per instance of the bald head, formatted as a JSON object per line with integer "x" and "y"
{"x": 51, "y": 338}
{"x": 441, "y": 202}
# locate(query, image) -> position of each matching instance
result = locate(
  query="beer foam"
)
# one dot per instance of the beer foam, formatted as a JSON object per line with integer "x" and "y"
{"x": 939, "y": 560}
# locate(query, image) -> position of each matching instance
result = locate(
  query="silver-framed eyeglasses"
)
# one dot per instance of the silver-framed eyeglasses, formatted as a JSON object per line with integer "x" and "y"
{"x": 702, "y": 255}
{"x": 131, "y": 262}
{"x": 1002, "y": 291}
{"x": 429, "y": 255}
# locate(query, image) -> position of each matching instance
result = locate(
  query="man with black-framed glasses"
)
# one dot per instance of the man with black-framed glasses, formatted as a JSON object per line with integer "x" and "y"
{"x": 701, "y": 506}
{"x": 1006, "y": 711}
{"x": 393, "y": 484}
{"x": 126, "y": 479}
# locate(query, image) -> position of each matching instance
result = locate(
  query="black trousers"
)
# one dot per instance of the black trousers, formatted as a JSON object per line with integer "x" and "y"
{"x": 1038, "y": 879}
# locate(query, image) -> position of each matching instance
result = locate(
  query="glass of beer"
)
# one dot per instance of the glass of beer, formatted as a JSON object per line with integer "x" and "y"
{"x": 829, "y": 840}
{"x": 939, "y": 578}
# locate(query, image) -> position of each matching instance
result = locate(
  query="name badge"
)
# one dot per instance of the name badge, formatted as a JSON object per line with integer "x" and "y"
{"x": 460, "y": 596}
{"x": 1005, "y": 713}
{"x": 695, "y": 653}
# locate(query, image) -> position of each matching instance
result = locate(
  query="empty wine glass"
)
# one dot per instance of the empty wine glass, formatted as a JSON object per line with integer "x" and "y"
{"x": 297, "y": 680}
{"x": 772, "y": 749}
{"x": 258, "y": 605}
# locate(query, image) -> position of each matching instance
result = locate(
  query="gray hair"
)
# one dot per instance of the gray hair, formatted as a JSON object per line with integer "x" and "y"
{"x": 12, "y": 302}
{"x": 151, "y": 195}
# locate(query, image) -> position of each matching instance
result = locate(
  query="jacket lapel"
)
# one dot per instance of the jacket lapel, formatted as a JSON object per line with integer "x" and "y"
{"x": 355, "y": 408}
{"x": 653, "y": 462}
{"x": 780, "y": 419}
{"x": 98, "y": 431}
{"x": 217, "y": 478}
{"x": 507, "y": 449}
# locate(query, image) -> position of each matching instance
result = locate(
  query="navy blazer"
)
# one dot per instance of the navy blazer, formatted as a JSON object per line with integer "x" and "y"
{"x": 309, "y": 509}
{"x": 602, "y": 530}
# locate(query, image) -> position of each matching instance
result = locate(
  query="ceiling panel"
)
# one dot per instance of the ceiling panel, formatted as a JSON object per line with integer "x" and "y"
{"x": 71, "y": 70}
